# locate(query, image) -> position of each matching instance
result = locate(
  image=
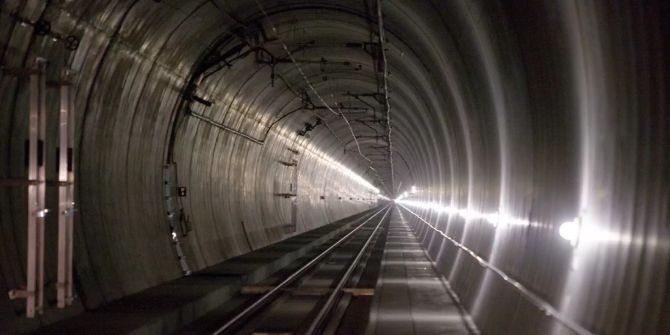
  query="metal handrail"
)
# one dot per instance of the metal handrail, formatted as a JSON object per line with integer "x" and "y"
{"x": 262, "y": 300}
{"x": 532, "y": 297}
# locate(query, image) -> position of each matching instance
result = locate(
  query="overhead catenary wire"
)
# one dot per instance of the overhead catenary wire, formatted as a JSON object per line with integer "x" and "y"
{"x": 311, "y": 87}
{"x": 382, "y": 41}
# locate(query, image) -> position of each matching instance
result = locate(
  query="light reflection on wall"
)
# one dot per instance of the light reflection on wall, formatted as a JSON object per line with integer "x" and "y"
{"x": 574, "y": 231}
{"x": 285, "y": 134}
{"x": 585, "y": 233}
{"x": 495, "y": 218}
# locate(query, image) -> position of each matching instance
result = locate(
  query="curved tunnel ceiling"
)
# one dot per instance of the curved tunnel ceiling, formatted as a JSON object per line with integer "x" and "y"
{"x": 537, "y": 112}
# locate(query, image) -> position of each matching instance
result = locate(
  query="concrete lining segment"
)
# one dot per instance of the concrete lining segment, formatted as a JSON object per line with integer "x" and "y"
{"x": 168, "y": 307}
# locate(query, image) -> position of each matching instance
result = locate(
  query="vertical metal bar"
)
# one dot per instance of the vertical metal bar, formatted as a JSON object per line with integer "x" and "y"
{"x": 33, "y": 291}
{"x": 294, "y": 200}
{"x": 36, "y": 189}
{"x": 41, "y": 184}
{"x": 33, "y": 202}
{"x": 64, "y": 287}
{"x": 62, "y": 195}
{"x": 70, "y": 194}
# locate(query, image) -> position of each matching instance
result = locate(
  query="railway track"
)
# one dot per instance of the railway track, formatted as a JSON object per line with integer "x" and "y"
{"x": 316, "y": 296}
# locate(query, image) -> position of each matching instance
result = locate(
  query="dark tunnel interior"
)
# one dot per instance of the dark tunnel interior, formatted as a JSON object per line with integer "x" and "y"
{"x": 525, "y": 143}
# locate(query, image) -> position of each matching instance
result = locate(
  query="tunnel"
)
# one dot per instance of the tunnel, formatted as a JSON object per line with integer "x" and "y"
{"x": 334, "y": 167}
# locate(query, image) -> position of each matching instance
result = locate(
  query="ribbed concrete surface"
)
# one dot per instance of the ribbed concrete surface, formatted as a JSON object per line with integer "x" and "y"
{"x": 540, "y": 110}
{"x": 132, "y": 66}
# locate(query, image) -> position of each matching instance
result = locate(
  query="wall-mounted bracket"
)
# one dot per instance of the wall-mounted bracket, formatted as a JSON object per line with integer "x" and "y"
{"x": 286, "y": 195}
{"x": 291, "y": 163}
{"x": 42, "y": 27}
{"x": 176, "y": 218}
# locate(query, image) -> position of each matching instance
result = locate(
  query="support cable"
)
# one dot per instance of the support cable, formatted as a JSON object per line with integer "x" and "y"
{"x": 312, "y": 88}
{"x": 386, "y": 91}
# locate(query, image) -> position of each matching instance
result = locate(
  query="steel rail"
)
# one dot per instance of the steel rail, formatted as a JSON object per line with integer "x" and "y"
{"x": 525, "y": 292}
{"x": 294, "y": 276}
{"x": 332, "y": 298}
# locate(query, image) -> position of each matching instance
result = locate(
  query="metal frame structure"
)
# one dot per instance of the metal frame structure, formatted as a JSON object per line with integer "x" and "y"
{"x": 290, "y": 191}
{"x": 175, "y": 210}
{"x": 33, "y": 292}
{"x": 65, "y": 192}
{"x": 294, "y": 200}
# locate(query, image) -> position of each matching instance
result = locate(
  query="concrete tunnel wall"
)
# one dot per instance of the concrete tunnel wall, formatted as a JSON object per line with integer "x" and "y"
{"x": 535, "y": 111}
{"x": 132, "y": 66}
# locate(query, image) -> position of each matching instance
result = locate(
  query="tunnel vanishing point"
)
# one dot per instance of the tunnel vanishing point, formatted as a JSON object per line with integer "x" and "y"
{"x": 335, "y": 167}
